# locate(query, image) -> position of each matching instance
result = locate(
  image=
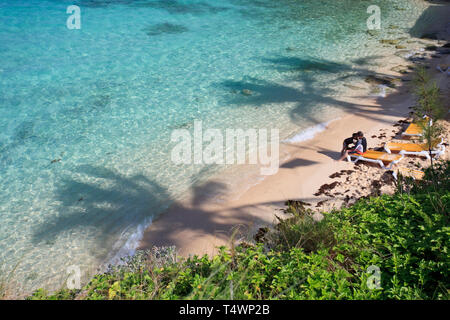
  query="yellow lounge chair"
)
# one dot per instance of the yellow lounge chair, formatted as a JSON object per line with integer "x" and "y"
{"x": 415, "y": 174}
{"x": 414, "y": 129}
{"x": 377, "y": 157}
{"x": 416, "y": 149}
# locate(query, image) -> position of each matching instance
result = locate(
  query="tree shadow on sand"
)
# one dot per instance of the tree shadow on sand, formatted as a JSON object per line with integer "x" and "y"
{"x": 295, "y": 163}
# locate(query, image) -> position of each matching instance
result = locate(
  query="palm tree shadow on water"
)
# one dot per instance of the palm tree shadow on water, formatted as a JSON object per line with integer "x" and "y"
{"x": 102, "y": 201}
{"x": 310, "y": 90}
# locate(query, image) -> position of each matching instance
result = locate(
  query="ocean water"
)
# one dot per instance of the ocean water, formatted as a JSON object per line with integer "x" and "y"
{"x": 86, "y": 115}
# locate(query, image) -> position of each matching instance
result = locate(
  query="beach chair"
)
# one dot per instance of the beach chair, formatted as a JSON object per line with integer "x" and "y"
{"x": 376, "y": 157}
{"x": 416, "y": 149}
{"x": 414, "y": 129}
{"x": 406, "y": 172}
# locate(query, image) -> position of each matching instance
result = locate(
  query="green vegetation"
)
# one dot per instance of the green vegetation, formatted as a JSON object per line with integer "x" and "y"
{"x": 429, "y": 96}
{"x": 405, "y": 235}
{"x": 430, "y": 104}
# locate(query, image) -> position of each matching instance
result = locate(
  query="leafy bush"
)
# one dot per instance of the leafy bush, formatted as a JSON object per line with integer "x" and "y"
{"x": 300, "y": 230}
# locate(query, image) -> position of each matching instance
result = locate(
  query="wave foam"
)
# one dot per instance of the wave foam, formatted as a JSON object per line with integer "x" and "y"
{"x": 309, "y": 133}
{"x": 131, "y": 244}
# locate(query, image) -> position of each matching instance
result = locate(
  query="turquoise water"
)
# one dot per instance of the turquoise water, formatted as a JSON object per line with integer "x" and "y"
{"x": 86, "y": 115}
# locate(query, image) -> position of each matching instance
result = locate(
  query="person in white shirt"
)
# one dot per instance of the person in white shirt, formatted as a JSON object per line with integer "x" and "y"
{"x": 360, "y": 147}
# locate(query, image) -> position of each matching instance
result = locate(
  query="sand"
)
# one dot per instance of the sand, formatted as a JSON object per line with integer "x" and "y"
{"x": 200, "y": 224}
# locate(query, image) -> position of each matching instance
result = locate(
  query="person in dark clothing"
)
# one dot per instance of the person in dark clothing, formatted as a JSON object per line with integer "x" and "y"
{"x": 349, "y": 143}
{"x": 360, "y": 135}
{"x": 359, "y": 148}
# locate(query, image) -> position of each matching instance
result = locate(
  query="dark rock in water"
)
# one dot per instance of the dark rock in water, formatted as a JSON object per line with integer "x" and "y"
{"x": 55, "y": 161}
{"x": 24, "y": 131}
{"x": 387, "y": 81}
{"x": 352, "y": 87}
{"x": 164, "y": 28}
{"x": 95, "y": 4}
{"x": 101, "y": 101}
{"x": 178, "y": 7}
{"x": 185, "y": 125}
{"x": 416, "y": 59}
{"x": 389, "y": 41}
{"x": 373, "y": 33}
{"x": 374, "y": 80}
{"x": 431, "y": 48}
{"x": 432, "y": 36}
{"x": 400, "y": 69}
{"x": 399, "y": 8}
{"x": 443, "y": 50}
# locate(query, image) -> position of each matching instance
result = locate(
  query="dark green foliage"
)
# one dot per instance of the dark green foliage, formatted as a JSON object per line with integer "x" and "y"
{"x": 430, "y": 103}
{"x": 300, "y": 230}
{"x": 63, "y": 294}
{"x": 429, "y": 96}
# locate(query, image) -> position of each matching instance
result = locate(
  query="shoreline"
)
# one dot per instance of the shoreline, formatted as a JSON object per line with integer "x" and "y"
{"x": 200, "y": 224}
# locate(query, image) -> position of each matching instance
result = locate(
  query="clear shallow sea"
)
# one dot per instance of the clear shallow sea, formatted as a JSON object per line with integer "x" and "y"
{"x": 86, "y": 115}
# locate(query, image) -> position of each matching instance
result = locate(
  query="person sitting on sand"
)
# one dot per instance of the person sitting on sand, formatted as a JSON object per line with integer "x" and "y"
{"x": 360, "y": 135}
{"x": 349, "y": 143}
{"x": 360, "y": 147}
